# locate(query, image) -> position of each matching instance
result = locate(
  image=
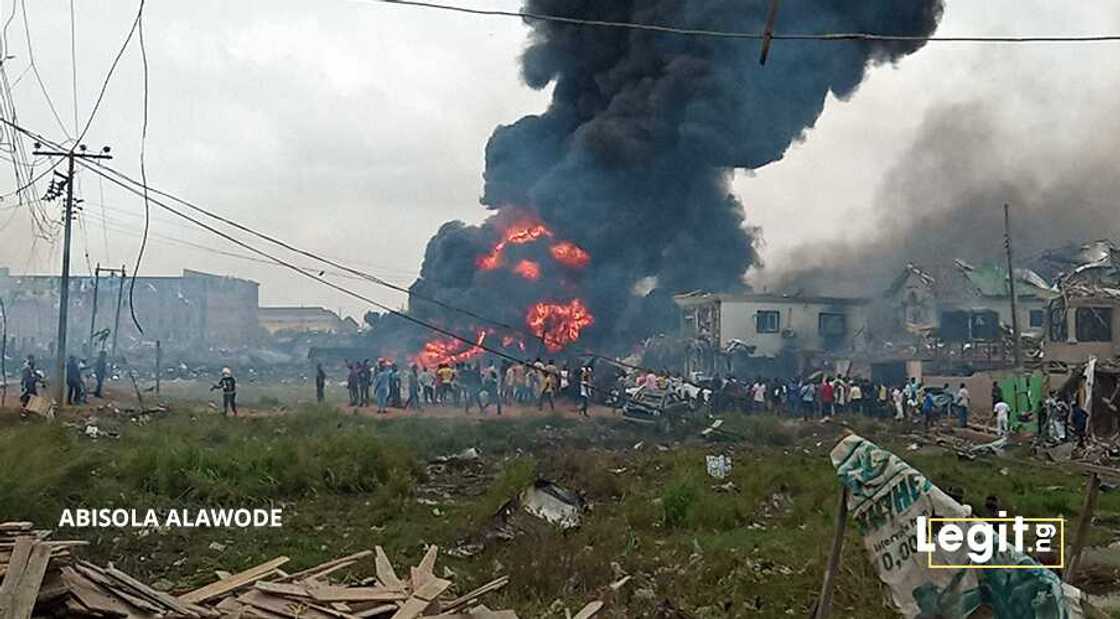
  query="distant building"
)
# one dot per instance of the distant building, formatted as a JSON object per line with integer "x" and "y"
{"x": 277, "y": 320}
{"x": 1084, "y": 320}
{"x": 190, "y": 311}
{"x": 781, "y": 333}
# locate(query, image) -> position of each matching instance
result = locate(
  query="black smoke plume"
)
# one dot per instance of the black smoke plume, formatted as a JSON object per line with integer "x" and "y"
{"x": 632, "y": 159}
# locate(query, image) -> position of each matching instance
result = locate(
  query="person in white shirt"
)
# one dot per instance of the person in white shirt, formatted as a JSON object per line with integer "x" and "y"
{"x": 962, "y": 403}
{"x": 898, "y": 398}
{"x": 1003, "y": 415}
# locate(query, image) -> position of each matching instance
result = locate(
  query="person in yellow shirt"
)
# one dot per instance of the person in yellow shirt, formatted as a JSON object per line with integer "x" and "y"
{"x": 548, "y": 389}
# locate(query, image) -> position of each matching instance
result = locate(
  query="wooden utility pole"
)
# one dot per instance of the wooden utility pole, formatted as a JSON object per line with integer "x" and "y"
{"x": 93, "y": 312}
{"x": 117, "y": 319}
{"x": 159, "y": 364}
{"x": 64, "y": 287}
{"x": 768, "y": 32}
{"x": 3, "y": 353}
{"x": 1017, "y": 343}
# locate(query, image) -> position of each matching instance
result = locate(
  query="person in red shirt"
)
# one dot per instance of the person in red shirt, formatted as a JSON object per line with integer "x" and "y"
{"x": 828, "y": 400}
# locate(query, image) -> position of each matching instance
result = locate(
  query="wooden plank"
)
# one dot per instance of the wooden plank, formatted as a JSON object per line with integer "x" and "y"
{"x": 385, "y": 572}
{"x": 92, "y": 596}
{"x": 824, "y": 602}
{"x": 467, "y": 598}
{"x": 325, "y": 568}
{"x": 14, "y": 574}
{"x": 587, "y": 612}
{"x": 422, "y": 598}
{"x": 1073, "y": 558}
{"x": 26, "y": 592}
{"x": 357, "y": 594}
{"x": 287, "y": 608}
{"x": 279, "y": 588}
{"x": 232, "y": 583}
{"x": 376, "y": 611}
{"x": 159, "y": 597}
{"x": 95, "y": 574}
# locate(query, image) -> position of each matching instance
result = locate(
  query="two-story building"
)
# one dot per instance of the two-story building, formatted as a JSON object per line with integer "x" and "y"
{"x": 759, "y": 333}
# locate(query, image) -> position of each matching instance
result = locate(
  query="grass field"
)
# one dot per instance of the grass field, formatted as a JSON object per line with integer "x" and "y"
{"x": 346, "y": 483}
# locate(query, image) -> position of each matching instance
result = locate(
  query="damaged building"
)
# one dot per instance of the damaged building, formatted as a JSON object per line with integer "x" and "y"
{"x": 768, "y": 334}
{"x": 1084, "y": 317}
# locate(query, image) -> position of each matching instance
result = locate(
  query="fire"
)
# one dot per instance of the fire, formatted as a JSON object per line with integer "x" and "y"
{"x": 528, "y": 269}
{"x": 519, "y": 233}
{"x": 558, "y": 324}
{"x": 570, "y": 254}
{"x": 449, "y": 351}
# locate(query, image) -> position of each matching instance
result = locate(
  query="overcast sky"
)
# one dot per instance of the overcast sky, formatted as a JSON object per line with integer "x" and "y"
{"x": 356, "y": 129}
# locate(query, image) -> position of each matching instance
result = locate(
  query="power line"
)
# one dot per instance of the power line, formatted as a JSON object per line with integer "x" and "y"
{"x": 143, "y": 171}
{"x": 74, "y": 61}
{"x": 754, "y": 36}
{"x": 109, "y": 74}
{"x": 35, "y": 70}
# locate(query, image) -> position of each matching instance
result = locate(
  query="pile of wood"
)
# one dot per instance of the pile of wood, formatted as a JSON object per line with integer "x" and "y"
{"x": 41, "y": 578}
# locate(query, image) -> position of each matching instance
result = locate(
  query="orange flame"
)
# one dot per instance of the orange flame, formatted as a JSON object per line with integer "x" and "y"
{"x": 528, "y": 269}
{"x": 520, "y": 233}
{"x": 570, "y": 254}
{"x": 449, "y": 351}
{"x": 558, "y": 324}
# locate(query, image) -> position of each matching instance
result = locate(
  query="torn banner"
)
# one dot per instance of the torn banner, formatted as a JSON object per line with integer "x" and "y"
{"x": 886, "y": 496}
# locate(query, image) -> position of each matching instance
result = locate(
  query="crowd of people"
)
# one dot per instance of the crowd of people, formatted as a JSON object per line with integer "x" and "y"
{"x": 78, "y": 372}
{"x": 469, "y": 384}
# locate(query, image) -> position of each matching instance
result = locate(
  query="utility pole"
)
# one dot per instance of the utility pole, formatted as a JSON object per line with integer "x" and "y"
{"x": 64, "y": 289}
{"x": 1017, "y": 344}
{"x": 93, "y": 312}
{"x": 117, "y": 319}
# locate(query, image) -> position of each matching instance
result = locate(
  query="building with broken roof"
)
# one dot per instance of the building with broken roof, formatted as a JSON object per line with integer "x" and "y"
{"x": 1084, "y": 318}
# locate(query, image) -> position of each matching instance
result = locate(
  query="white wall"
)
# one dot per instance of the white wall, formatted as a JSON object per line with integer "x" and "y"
{"x": 737, "y": 321}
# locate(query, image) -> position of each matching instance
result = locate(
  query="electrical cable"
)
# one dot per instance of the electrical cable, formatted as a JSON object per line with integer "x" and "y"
{"x": 143, "y": 172}
{"x": 845, "y": 36}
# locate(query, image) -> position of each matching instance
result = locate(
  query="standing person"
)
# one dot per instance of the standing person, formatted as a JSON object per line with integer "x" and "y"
{"x": 228, "y": 385}
{"x": 962, "y": 402}
{"x": 352, "y": 382}
{"x": 840, "y": 394}
{"x": 29, "y": 381}
{"x": 808, "y": 396}
{"x": 827, "y": 398}
{"x": 1003, "y": 414}
{"x": 381, "y": 388}
{"x": 365, "y": 381}
{"x": 491, "y": 385}
{"x": 471, "y": 381}
{"x": 73, "y": 381}
{"x": 427, "y": 385}
{"x": 899, "y": 401}
{"x": 445, "y": 375}
{"x": 584, "y": 389}
{"x": 758, "y": 396}
{"x": 413, "y": 380}
{"x": 99, "y": 370}
{"x": 929, "y": 410}
{"x": 855, "y": 396}
{"x": 548, "y": 389}
{"x": 395, "y": 399}
{"x": 1080, "y": 422}
{"x": 320, "y": 383}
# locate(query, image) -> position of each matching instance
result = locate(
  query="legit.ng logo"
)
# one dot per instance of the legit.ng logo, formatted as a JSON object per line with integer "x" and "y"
{"x": 983, "y": 539}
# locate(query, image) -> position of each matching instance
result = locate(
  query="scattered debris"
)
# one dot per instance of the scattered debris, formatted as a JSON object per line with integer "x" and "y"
{"x": 719, "y": 467}
{"x": 467, "y": 455}
{"x": 552, "y": 503}
{"x": 41, "y": 578}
